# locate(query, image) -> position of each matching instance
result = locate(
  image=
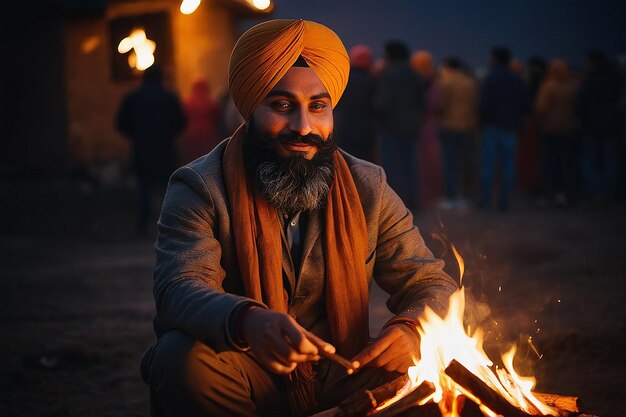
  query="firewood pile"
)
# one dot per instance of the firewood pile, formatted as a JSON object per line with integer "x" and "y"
{"x": 478, "y": 396}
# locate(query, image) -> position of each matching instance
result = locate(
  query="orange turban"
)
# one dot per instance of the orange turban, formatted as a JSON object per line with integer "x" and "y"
{"x": 264, "y": 54}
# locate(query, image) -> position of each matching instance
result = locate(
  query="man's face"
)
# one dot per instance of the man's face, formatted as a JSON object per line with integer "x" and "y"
{"x": 297, "y": 106}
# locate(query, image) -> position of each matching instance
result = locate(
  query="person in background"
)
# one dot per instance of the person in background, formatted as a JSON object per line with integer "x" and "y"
{"x": 354, "y": 115}
{"x": 429, "y": 152}
{"x": 203, "y": 116}
{"x": 268, "y": 245}
{"x": 598, "y": 109}
{"x": 527, "y": 156}
{"x": 151, "y": 117}
{"x": 504, "y": 102}
{"x": 555, "y": 116}
{"x": 231, "y": 118}
{"x": 459, "y": 117}
{"x": 399, "y": 103}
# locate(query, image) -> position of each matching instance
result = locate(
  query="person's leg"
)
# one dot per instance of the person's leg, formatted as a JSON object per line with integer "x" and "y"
{"x": 488, "y": 164}
{"x": 145, "y": 189}
{"x": 389, "y": 160}
{"x": 410, "y": 173}
{"x": 507, "y": 143}
{"x": 447, "y": 153}
{"x": 188, "y": 378}
{"x": 591, "y": 166}
{"x": 609, "y": 171}
{"x": 559, "y": 152}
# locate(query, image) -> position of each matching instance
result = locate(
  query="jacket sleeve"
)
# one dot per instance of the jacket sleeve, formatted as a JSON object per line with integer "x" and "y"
{"x": 188, "y": 275}
{"x": 404, "y": 267}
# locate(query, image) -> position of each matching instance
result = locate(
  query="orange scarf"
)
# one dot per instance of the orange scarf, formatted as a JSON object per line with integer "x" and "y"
{"x": 256, "y": 230}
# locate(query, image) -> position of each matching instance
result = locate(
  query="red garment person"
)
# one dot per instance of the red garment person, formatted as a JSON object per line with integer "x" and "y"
{"x": 203, "y": 114}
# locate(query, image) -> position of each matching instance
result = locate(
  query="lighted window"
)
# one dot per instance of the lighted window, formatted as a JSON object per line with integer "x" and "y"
{"x": 138, "y": 42}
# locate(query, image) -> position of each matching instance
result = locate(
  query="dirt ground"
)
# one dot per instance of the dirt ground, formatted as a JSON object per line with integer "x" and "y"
{"x": 76, "y": 304}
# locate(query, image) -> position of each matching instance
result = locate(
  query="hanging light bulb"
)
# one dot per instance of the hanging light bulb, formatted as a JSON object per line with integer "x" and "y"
{"x": 189, "y": 6}
{"x": 261, "y": 4}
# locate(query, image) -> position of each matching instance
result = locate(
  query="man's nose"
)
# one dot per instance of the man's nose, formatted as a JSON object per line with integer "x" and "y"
{"x": 300, "y": 122}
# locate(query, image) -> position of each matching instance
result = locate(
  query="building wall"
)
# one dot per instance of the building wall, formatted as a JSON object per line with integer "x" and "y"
{"x": 201, "y": 45}
{"x": 33, "y": 128}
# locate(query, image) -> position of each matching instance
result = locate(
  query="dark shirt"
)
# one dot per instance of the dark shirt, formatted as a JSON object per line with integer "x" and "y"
{"x": 598, "y": 103}
{"x": 399, "y": 100}
{"x": 354, "y": 115}
{"x": 151, "y": 117}
{"x": 504, "y": 99}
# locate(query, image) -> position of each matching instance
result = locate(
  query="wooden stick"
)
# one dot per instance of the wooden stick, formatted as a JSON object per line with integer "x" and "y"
{"x": 486, "y": 395}
{"x": 350, "y": 366}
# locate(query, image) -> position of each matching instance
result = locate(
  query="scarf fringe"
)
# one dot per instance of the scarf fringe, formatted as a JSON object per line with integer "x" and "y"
{"x": 301, "y": 390}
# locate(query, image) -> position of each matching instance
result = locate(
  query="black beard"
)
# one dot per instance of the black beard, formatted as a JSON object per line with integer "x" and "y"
{"x": 290, "y": 184}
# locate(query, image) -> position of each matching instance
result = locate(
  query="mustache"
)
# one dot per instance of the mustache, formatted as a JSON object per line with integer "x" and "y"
{"x": 309, "y": 139}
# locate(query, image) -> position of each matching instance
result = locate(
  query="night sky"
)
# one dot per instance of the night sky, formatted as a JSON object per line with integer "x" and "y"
{"x": 470, "y": 28}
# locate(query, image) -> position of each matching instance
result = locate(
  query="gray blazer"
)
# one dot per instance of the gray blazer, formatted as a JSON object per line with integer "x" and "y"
{"x": 197, "y": 281}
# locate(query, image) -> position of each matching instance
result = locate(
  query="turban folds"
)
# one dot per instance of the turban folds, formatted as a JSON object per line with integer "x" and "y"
{"x": 264, "y": 54}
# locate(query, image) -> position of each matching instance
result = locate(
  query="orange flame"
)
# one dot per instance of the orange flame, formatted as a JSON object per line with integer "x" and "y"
{"x": 459, "y": 260}
{"x": 445, "y": 339}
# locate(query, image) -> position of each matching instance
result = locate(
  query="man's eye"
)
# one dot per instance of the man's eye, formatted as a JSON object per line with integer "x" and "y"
{"x": 281, "y": 105}
{"x": 317, "y": 106}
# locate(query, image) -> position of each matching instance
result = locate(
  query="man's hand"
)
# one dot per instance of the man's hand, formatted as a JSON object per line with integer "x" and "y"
{"x": 394, "y": 349}
{"x": 278, "y": 341}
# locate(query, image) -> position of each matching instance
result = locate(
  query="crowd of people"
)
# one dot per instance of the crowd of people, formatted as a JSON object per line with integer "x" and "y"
{"x": 450, "y": 138}
{"x": 443, "y": 136}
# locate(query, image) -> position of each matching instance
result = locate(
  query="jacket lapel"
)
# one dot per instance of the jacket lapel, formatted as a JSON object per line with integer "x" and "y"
{"x": 311, "y": 240}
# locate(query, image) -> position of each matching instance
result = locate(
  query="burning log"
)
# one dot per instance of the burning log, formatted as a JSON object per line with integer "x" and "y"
{"x": 364, "y": 402}
{"x": 572, "y": 405}
{"x": 487, "y": 396}
{"x": 409, "y": 401}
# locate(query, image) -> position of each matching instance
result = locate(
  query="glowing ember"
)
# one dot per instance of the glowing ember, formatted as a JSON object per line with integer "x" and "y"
{"x": 445, "y": 339}
{"x": 142, "y": 55}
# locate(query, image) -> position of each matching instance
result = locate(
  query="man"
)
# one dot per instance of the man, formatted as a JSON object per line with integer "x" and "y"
{"x": 458, "y": 119}
{"x": 268, "y": 244}
{"x": 598, "y": 108}
{"x": 151, "y": 117}
{"x": 399, "y": 102}
{"x": 355, "y": 122}
{"x": 504, "y": 102}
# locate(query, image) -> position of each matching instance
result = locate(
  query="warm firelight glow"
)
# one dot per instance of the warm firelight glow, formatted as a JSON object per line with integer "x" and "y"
{"x": 445, "y": 339}
{"x": 142, "y": 55}
{"x": 189, "y": 6}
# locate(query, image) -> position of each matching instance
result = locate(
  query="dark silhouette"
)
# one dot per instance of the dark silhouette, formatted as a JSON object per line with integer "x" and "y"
{"x": 429, "y": 153}
{"x": 354, "y": 115}
{"x": 527, "y": 156}
{"x": 399, "y": 101}
{"x": 504, "y": 102}
{"x": 203, "y": 118}
{"x": 459, "y": 117}
{"x": 556, "y": 120}
{"x": 151, "y": 117}
{"x": 598, "y": 109}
